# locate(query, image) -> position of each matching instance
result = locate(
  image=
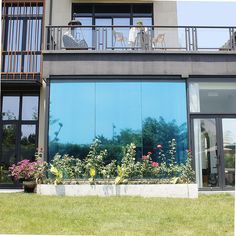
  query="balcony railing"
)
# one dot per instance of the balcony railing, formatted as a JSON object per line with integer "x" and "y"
{"x": 143, "y": 38}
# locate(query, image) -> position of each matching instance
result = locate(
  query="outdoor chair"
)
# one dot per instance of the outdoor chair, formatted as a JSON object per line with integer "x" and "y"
{"x": 119, "y": 37}
{"x": 70, "y": 42}
{"x": 159, "y": 40}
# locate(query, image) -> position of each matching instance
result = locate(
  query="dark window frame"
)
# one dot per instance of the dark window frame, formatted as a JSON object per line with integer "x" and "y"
{"x": 19, "y": 122}
{"x": 112, "y": 78}
{"x": 95, "y": 15}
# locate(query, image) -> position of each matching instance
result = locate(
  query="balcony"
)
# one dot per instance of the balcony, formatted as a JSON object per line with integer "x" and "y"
{"x": 141, "y": 38}
{"x": 22, "y": 33}
{"x": 72, "y": 51}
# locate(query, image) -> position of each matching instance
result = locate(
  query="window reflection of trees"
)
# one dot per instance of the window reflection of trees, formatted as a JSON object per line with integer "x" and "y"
{"x": 154, "y": 132}
{"x": 8, "y": 144}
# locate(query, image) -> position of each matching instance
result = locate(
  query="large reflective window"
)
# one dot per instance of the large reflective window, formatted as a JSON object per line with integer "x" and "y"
{"x": 212, "y": 97}
{"x": 164, "y": 116}
{"x": 117, "y": 113}
{"x": 72, "y": 117}
{"x": 118, "y": 116}
{"x": 10, "y": 107}
{"x": 30, "y": 108}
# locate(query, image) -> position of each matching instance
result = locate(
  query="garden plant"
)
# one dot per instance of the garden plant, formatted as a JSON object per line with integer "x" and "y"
{"x": 65, "y": 169}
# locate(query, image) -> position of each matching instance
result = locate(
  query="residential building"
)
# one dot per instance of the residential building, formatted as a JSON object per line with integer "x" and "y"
{"x": 122, "y": 72}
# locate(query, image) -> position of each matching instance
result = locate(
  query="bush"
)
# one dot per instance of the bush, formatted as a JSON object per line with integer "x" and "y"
{"x": 165, "y": 169}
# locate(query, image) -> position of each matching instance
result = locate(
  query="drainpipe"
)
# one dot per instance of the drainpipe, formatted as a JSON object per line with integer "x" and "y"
{"x": 50, "y": 12}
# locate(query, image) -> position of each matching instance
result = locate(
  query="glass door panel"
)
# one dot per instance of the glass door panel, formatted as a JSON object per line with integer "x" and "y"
{"x": 229, "y": 147}
{"x": 28, "y": 142}
{"x": 8, "y": 152}
{"x": 207, "y": 163}
{"x": 85, "y": 32}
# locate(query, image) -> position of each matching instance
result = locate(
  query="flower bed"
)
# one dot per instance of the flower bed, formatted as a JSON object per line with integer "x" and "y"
{"x": 105, "y": 190}
{"x": 149, "y": 176}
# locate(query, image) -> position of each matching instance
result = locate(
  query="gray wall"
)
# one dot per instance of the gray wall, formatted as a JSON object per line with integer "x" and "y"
{"x": 138, "y": 63}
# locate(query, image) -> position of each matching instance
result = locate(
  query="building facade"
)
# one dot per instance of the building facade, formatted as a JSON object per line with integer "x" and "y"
{"x": 73, "y": 71}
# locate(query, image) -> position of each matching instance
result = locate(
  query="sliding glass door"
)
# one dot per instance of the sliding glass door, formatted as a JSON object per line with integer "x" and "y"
{"x": 214, "y": 141}
{"x": 229, "y": 151}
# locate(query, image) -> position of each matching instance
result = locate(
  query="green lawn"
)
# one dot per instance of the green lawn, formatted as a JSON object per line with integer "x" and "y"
{"x": 30, "y": 213}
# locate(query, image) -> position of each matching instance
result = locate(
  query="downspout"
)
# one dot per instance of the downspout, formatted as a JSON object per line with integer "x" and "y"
{"x": 50, "y": 13}
{"x": 46, "y": 125}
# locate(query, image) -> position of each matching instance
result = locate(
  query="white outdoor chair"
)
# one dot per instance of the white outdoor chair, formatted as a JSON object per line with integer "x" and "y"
{"x": 159, "y": 40}
{"x": 119, "y": 37}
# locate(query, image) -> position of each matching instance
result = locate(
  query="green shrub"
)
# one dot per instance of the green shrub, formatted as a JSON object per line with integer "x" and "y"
{"x": 93, "y": 168}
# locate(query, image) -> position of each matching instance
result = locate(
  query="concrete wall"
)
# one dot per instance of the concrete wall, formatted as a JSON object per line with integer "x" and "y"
{"x": 165, "y": 14}
{"x": 42, "y": 118}
{"x": 138, "y": 63}
{"x": 142, "y": 190}
{"x": 61, "y": 12}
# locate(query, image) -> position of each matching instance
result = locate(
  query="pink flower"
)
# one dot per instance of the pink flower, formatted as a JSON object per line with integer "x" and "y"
{"x": 159, "y": 146}
{"x": 144, "y": 158}
{"x": 149, "y": 153}
{"x": 155, "y": 164}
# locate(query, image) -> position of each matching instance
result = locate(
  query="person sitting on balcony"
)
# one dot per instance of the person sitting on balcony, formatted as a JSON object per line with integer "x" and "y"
{"x": 70, "y": 39}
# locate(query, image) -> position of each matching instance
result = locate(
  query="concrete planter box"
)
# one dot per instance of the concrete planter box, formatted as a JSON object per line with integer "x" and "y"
{"x": 143, "y": 190}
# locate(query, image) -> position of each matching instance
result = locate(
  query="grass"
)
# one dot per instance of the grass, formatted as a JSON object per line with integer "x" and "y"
{"x": 22, "y": 213}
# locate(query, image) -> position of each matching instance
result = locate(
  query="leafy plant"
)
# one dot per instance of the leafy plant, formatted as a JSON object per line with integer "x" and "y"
{"x": 94, "y": 159}
{"x": 92, "y": 173}
{"x": 187, "y": 173}
{"x": 67, "y": 165}
{"x": 64, "y": 168}
{"x": 57, "y": 173}
{"x": 121, "y": 172}
{"x": 110, "y": 170}
{"x": 128, "y": 162}
{"x": 27, "y": 170}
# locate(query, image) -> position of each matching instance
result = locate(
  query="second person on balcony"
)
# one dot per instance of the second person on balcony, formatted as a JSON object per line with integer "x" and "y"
{"x": 138, "y": 36}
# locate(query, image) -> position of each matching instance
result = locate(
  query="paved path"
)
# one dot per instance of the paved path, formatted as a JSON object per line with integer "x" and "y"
{"x": 11, "y": 190}
{"x": 216, "y": 192}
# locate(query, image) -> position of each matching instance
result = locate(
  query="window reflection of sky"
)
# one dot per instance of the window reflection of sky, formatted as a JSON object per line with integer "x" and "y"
{"x": 89, "y": 109}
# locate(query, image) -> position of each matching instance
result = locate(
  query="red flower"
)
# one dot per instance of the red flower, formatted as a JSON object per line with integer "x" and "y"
{"x": 149, "y": 153}
{"x": 159, "y": 146}
{"x": 144, "y": 158}
{"x": 155, "y": 164}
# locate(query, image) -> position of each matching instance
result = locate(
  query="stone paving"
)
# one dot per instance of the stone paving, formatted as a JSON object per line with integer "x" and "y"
{"x": 11, "y": 190}
{"x": 216, "y": 192}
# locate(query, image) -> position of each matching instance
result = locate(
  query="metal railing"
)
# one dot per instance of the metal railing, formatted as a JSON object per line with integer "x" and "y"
{"x": 148, "y": 38}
